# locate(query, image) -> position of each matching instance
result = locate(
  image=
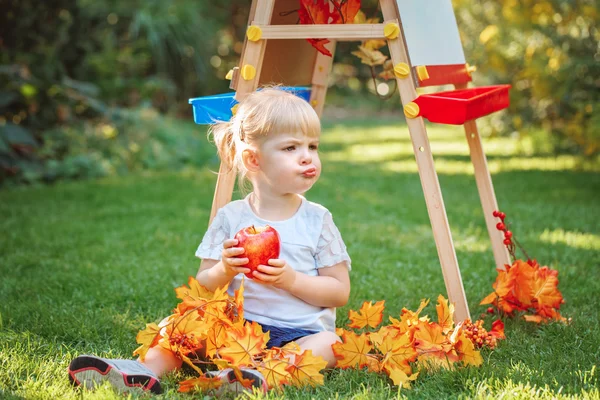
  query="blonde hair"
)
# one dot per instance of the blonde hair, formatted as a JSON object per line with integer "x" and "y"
{"x": 263, "y": 113}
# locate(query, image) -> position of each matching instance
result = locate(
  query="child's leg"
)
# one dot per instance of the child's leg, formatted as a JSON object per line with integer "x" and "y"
{"x": 161, "y": 361}
{"x": 320, "y": 344}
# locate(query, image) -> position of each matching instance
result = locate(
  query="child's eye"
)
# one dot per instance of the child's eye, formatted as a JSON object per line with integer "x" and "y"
{"x": 290, "y": 148}
{"x": 314, "y": 147}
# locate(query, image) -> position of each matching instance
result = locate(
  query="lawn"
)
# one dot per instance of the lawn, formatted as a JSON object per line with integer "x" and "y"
{"x": 84, "y": 265}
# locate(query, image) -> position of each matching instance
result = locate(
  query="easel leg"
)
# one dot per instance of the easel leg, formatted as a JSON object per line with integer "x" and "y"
{"x": 319, "y": 78}
{"x": 252, "y": 56}
{"x": 428, "y": 176}
{"x": 486, "y": 193}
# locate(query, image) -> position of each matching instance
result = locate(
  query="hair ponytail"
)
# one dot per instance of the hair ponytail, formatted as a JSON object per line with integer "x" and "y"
{"x": 222, "y": 133}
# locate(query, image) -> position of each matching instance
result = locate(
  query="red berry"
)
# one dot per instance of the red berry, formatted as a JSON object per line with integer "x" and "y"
{"x": 507, "y": 242}
{"x": 500, "y": 226}
{"x": 490, "y": 310}
{"x": 501, "y": 215}
{"x": 496, "y": 213}
{"x": 508, "y": 234}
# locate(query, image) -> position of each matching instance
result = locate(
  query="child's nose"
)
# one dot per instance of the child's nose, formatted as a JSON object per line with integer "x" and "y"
{"x": 306, "y": 157}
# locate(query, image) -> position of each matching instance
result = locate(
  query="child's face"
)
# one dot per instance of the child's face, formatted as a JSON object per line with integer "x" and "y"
{"x": 289, "y": 162}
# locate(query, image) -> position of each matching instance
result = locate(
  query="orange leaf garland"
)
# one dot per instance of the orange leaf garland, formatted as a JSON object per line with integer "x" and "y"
{"x": 305, "y": 370}
{"x": 445, "y": 314}
{"x": 243, "y": 344}
{"x": 352, "y": 352}
{"x": 275, "y": 372}
{"x": 525, "y": 286}
{"x": 368, "y": 314}
{"x": 148, "y": 337}
{"x": 326, "y": 12}
{"x": 200, "y": 383}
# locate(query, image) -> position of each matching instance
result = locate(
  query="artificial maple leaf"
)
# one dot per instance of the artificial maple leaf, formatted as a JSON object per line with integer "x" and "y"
{"x": 183, "y": 334}
{"x": 377, "y": 337}
{"x": 201, "y": 383}
{"x": 522, "y": 290}
{"x": 545, "y": 288}
{"x": 430, "y": 338}
{"x": 370, "y": 57}
{"x": 147, "y": 338}
{"x": 275, "y": 372}
{"x": 306, "y": 369}
{"x": 216, "y": 337}
{"x": 352, "y": 352}
{"x": 398, "y": 353}
{"x": 497, "y": 330}
{"x": 238, "y": 298}
{"x": 361, "y": 18}
{"x": 445, "y": 314}
{"x": 399, "y": 377}
{"x": 533, "y": 318}
{"x": 319, "y": 44}
{"x": 412, "y": 317}
{"x": 466, "y": 351}
{"x": 369, "y": 314}
{"x": 345, "y": 12}
{"x": 243, "y": 344}
{"x": 196, "y": 291}
{"x": 314, "y": 12}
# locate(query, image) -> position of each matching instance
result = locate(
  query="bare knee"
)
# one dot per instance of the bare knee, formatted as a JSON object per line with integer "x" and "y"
{"x": 320, "y": 345}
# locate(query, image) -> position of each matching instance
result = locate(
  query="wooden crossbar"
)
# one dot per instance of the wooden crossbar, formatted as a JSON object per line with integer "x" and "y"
{"x": 323, "y": 31}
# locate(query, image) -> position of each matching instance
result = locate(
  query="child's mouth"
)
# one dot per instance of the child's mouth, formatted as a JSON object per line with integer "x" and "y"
{"x": 310, "y": 173}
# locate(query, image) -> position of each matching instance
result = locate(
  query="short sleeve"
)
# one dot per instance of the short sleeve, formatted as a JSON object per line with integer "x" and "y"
{"x": 331, "y": 249}
{"x": 212, "y": 243}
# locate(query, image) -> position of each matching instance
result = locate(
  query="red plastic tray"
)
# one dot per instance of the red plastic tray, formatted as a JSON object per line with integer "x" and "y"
{"x": 458, "y": 106}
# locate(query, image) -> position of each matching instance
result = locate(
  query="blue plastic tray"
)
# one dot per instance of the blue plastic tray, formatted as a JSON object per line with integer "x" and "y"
{"x": 209, "y": 109}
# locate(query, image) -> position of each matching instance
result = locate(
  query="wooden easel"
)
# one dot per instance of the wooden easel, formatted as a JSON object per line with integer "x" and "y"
{"x": 262, "y": 64}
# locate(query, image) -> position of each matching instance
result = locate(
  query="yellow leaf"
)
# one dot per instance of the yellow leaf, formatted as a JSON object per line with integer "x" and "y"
{"x": 429, "y": 337}
{"x": 398, "y": 353}
{"x": 466, "y": 351}
{"x": 370, "y": 57}
{"x": 239, "y": 301}
{"x": 194, "y": 292}
{"x": 368, "y": 314}
{"x": 275, "y": 372}
{"x": 148, "y": 338}
{"x": 352, "y": 352}
{"x": 243, "y": 344}
{"x": 374, "y": 44}
{"x": 216, "y": 337}
{"x": 306, "y": 369}
{"x": 201, "y": 383}
{"x": 445, "y": 314}
{"x": 399, "y": 377}
{"x": 184, "y": 334}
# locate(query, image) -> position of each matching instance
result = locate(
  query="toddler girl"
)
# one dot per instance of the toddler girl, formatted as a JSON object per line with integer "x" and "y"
{"x": 272, "y": 143}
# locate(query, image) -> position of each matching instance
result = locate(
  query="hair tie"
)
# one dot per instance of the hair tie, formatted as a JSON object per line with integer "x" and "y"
{"x": 242, "y": 135}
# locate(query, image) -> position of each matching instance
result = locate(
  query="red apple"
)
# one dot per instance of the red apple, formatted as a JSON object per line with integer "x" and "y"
{"x": 261, "y": 243}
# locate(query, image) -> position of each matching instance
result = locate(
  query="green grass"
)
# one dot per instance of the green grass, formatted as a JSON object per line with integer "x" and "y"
{"x": 84, "y": 265}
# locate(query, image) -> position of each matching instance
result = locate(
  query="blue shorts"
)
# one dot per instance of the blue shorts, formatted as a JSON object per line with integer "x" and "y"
{"x": 279, "y": 337}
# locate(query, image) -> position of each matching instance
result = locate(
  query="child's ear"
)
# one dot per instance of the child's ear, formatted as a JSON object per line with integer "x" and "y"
{"x": 250, "y": 160}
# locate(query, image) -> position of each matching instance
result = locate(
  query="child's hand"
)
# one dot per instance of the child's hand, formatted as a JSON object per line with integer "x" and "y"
{"x": 278, "y": 273}
{"x": 233, "y": 265}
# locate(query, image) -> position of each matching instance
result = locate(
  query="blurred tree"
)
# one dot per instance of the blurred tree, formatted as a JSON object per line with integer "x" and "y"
{"x": 549, "y": 51}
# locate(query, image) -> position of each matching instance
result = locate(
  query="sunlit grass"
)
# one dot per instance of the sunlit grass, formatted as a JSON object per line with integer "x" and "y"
{"x": 84, "y": 265}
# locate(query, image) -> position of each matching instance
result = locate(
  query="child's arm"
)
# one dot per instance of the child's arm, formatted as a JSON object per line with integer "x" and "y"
{"x": 214, "y": 274}
{"x": 331, "y": 288}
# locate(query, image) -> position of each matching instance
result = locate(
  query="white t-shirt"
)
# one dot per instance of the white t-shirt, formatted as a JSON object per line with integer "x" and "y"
{"x": 309, "y": 241}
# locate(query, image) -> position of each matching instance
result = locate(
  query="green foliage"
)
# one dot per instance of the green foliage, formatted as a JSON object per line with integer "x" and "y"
{"x": 69, "y": 68}
{"x": 548, "y": 51}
